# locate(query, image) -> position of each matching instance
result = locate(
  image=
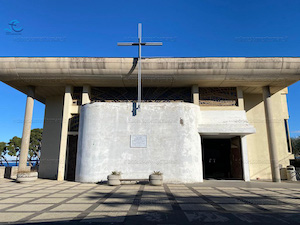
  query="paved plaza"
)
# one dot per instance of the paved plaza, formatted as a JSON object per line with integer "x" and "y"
{"x": 211, "y": 202}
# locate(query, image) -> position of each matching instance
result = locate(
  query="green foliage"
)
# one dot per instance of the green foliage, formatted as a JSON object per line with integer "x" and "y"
{"x": 296, "y": 145}
{"x": 35, "y": 143}
{"x": 3, "y": 152}
{"x": 13, "y": 147}
{"x": 157, "y": 173}
{"x": 115, "y": 173}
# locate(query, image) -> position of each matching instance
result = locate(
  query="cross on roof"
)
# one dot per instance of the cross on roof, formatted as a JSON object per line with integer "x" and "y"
{"x": 140, "y": 44}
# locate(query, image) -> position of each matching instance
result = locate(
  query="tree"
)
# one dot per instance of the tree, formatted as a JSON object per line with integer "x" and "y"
{"x": 3, "y": 152}
{"x": 14, "y": 146}
{"x": 35, "y": 144}
{"x": 296, "y": 145}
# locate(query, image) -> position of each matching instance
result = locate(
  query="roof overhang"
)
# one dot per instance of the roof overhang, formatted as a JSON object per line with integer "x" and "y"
{"x": 50, "y": 74}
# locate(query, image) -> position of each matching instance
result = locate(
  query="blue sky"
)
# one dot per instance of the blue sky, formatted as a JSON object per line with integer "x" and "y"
{"x": 253, "y": 28}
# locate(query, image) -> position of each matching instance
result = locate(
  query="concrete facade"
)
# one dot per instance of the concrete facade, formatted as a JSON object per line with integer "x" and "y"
{"x": 173, "y": 142}
{"x": 54, "y": 79}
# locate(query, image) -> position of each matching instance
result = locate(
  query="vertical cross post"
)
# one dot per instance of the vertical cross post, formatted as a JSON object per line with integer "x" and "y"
{"x": 139, "y": 44}
{"x": 140, "y": 67}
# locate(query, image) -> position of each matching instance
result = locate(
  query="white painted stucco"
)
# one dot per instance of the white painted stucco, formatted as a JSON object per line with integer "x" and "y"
{"x": 173, "y": 141}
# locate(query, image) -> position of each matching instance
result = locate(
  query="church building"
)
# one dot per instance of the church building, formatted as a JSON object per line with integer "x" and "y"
{"x": 200, "y": 118}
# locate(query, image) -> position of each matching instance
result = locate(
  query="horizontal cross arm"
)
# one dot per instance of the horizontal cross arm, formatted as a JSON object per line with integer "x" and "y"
{"x": 143, "y": 43}
{"x": 152, "y": 43}
{"x": 127, "y": 43}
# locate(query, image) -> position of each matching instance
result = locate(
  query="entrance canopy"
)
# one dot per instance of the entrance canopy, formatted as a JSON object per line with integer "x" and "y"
{"x": 224, "y": 123}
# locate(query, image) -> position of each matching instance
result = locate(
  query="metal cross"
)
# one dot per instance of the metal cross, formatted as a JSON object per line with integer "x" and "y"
{"x": 140, "y": 44}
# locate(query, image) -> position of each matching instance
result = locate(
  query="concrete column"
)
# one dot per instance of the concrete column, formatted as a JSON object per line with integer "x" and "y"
{"x": 26, "y": 129}
{"x": 195, "y": 94}
{"x": 86, "y": 94}
{"x": 271, "y": 134}
{"x": 240, "y": 98}
{"x": 64, "y": 132}
{"x": 246, "y": 172}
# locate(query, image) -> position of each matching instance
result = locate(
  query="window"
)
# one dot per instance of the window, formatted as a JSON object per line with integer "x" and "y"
{"x": 287, "y": 133}
{"x": 218, "y": 96}
{"x": 149, "y": 94}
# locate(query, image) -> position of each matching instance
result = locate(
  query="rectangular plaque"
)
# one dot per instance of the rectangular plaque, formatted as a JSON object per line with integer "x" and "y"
{"x": 138, "y": 141}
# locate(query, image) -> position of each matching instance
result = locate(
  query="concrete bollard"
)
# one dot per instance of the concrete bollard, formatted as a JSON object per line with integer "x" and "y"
{"x": 113, "y": 180}
{"x": 291, "y": 173}
{"x": 11, "y": 172}
{"x": 2, "y": 171}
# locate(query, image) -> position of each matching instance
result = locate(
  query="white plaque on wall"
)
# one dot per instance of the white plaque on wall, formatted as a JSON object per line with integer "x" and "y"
{"x": 138, "y": 141}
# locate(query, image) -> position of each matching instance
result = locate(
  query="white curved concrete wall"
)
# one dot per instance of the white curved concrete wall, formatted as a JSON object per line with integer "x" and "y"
{"x": 173, "y": 142}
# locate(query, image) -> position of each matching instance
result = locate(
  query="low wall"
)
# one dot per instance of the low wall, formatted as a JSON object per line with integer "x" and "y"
{"x": 161, "y": 137}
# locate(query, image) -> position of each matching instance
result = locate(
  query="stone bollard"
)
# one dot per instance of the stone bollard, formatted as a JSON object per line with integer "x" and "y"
{"x": 11, "y": 172}
{"x": 291, "y": 173}
{"x": 2, "y": 171}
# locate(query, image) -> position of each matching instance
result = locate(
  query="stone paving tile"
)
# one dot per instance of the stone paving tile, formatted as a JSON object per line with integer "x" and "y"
{"x": 32, "y": 195}
{"x": 83, "y": 200}
{"x": 54, "y": 217}
{"x": 56, "y": 202}
{"x": 44, "y": 191}
{"x": 263, "y": 201}
{"x": 61, "y": 195}
{"x": 91, "y": 195}
{"x": 282, "y": 208}
{"x": 183, "y": 200}
{"x": 49, "y": 200}
{"x": 207, "y": 217}
{"x": 197, "y": 207}
{"x": 240, "y": 208}
{"x": 9, "y": 217}
{"x": 288, "y": 200}
{"x": 225, "y": 200}
{"x": 113, "y": 207}
{"x": 71, "y": 207}
{"x": 30, "y": 207}
{"x": 7, "y": 195}
{"x": 154, "y": 207}
{"x": 151, "y": 195}
{"x": 4, "y": 206}
{"x": 119, "y": 200}
{"x": 105, "y": 217}
{"x": 15, "y": 200}
{"x": 149, "y": 201}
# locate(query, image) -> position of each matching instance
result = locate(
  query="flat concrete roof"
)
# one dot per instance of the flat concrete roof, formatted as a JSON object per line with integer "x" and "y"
{"x": 50, "y": 74}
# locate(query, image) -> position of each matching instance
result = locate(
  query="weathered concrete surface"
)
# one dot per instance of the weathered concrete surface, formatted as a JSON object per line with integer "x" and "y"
{"x": 2, "y": 171}
{"x": 229, "y": 122}
{"x": 173, "y": 142}
{"x": 51, "y": 137}
{"x": 57, "y": 72}
{"x": 11, "y": 172}
{"x": 26, "y": 130}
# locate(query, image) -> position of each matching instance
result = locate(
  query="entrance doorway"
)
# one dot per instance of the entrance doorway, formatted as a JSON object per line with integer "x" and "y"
{"x": 71, "y": 157}
{"x": 222, "y": 158}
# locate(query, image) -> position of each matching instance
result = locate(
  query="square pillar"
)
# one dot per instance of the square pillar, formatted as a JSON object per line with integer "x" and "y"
{"x": 246, "y": 171}
{"x": 64, "y": 132}
{"x": 195, "y": 94}
{"x": 240, "y": 97}
{"x": 86, "y": 94}
{"x": 271, "y": 134}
